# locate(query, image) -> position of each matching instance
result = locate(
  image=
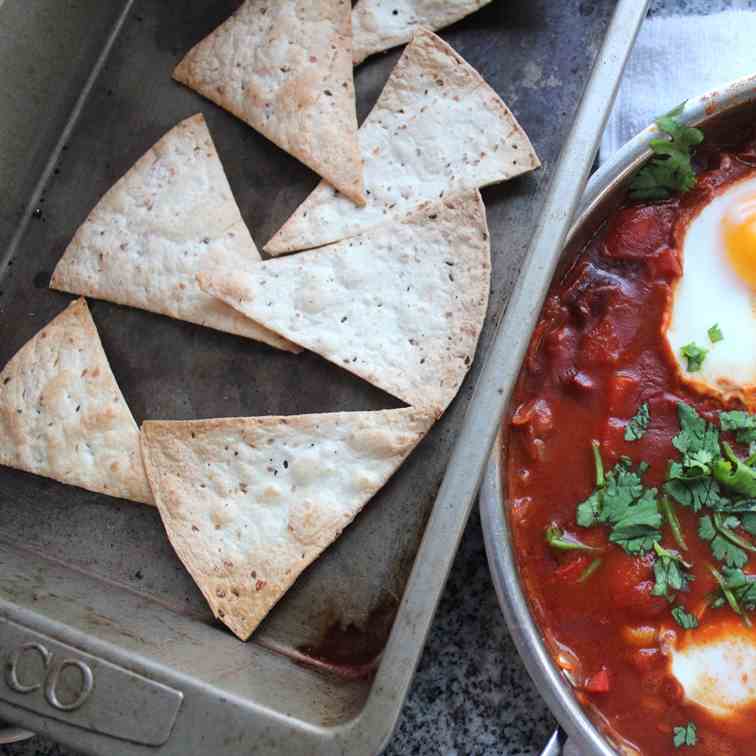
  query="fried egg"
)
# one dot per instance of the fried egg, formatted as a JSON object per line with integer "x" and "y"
{"x": 716, "y": 667}
{"x": 718, "y": 287}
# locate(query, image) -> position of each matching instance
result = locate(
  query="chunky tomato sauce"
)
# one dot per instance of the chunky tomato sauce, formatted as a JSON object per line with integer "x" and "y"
{"x": 597, "y": 353}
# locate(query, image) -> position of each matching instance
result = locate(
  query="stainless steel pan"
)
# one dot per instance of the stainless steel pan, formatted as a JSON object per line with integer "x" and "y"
{"x": 716, "y": 111}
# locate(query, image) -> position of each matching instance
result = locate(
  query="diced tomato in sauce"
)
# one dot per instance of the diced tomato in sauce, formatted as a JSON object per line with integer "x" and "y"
{"x": 597, "y": 353}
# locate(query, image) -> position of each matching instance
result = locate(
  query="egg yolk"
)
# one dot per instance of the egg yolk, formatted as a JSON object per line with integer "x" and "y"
{"x": 739, "y": 227}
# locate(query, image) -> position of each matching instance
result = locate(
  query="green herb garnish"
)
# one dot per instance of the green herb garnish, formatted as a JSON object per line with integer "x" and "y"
{"x": 670, "y": 169}
{"x": 564, "y": 541}
{"x": 638, "y": 424}
{"x": 737, "y": 590}
{"x": 726, "y": 545}
{"x": 715, "y": 334}
{"x": 695, "y": 355}
{"x": 670, "y": 573}
{"x": 743, "y": 423}
{"x": 625, "y": 504}
{"x": 686, "y": 620}
{"x": 685, "y": 735}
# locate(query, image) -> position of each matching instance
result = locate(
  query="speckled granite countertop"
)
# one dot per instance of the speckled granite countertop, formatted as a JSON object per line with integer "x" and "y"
{"x": 471, "y": 694}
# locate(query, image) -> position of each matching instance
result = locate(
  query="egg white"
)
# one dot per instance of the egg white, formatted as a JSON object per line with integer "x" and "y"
{"x": 718, "y": 674}
{"x": 708, "y": 293}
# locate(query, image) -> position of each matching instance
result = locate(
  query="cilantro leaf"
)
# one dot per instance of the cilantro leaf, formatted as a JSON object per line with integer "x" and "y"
{"x": 749, "y": 523}
{"x": 638, "y": 424}
{"x": 588, "y": 510}
{"x": 622, "y": 502}
{"x": 715, "y": 334}
{"x": 695, "y": 355}
{"x": 697, "y": 493}
{"x": 743, "y": 423}
{"x": 670, "y": 169}
{"x": 696, "y": 435}
{"x": 670, "y": 573}
{"x": 686, "y": 620}
{"x": 639, "y": 527}
{"x": 706, "y": 529}
{"x": 725, "y": 544}
{"x": 685, "y": 735}
{"x": 737, "y": 590}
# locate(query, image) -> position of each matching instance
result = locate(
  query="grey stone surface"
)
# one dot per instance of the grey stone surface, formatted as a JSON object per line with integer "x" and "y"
{"x": 471, "y": 694}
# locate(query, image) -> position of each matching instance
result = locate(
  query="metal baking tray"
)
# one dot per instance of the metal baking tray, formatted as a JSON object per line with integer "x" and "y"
{"x": 717, "y": 112}
{"x": 120, "y": 654}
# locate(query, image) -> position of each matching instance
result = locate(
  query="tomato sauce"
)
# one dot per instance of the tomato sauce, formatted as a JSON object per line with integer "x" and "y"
{"x": 597, "y": 353}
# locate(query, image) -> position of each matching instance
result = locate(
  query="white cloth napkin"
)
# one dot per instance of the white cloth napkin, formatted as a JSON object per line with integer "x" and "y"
{"x": 675, "y": 58}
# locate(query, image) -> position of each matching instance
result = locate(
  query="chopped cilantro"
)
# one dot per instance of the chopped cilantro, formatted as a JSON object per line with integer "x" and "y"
{"x": 737, "y": 589}
{"x": 670, "y": 573}
{"x": 743, "y": 423}
{"x": 686, "y": 620}
{"x": 670, "y": 169}
{"x": 564, "y": 541}
{"x": 685, "y": 735}
{"x": 748, "y": 521}
{"x": 697, "y": 493}
{"x": 715, "y": 334}
{"x": 695, "y": 355}
{"x": 622, "y": 502}
{"x": 726, "y": 545}
{"x": 689, "y": 481}
{"x": 638, "y": 424}
{"x": 697, "y": 439}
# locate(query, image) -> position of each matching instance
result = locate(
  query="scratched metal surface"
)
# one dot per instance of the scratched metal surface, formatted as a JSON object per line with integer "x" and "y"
{"x": 535, "y": 53}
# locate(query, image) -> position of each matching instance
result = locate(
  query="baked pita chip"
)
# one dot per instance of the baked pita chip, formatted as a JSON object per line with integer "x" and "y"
{"x": 172, "y": 215}
{"x": 436, "y": 129}
{"x": 63, "y": 416}
{"x": 381, "y": 24}
{"x": 401, "y": 305}
{"x": 285, "y": 68}
{"x": 249, "y": 503}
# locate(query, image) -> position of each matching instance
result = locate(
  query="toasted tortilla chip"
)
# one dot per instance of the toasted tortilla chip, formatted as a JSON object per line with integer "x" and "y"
{"x": 381, "y": 24}
{"x": 436, "y": 129}
{"x": 249, "y": 503}
{"x": 401, "y": 305}
{"x": 63, "y": 416}
{"x": 172, "y": 215}
{"x": 285, "y": 68}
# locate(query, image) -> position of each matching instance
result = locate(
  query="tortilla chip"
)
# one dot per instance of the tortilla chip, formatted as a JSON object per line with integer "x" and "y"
{"x": 172, "y": 215}
{"x": 401, "y": 306}
{"x": 249, "y": 503}
{"x": 285, "y": 68}
{"x": 63, "y": 416}
{"x": 381, "y": 24}
{"x": 436, "y": 129}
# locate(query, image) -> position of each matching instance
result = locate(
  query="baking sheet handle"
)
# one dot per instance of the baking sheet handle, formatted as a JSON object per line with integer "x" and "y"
{"x": 45, "y": 677}
{"x": 499, "y": 373}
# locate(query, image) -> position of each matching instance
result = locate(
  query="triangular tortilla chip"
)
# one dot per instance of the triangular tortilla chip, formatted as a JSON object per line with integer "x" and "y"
{"x": 63, "y": 416}
{"x": 437, "y": 128}
{"x": 381, "y": 24}
{"x": 401, "y": 305}
{"x": 170, "y": 216}
{"x": 249, "y": 503}
{"x": 285, "y": 68}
